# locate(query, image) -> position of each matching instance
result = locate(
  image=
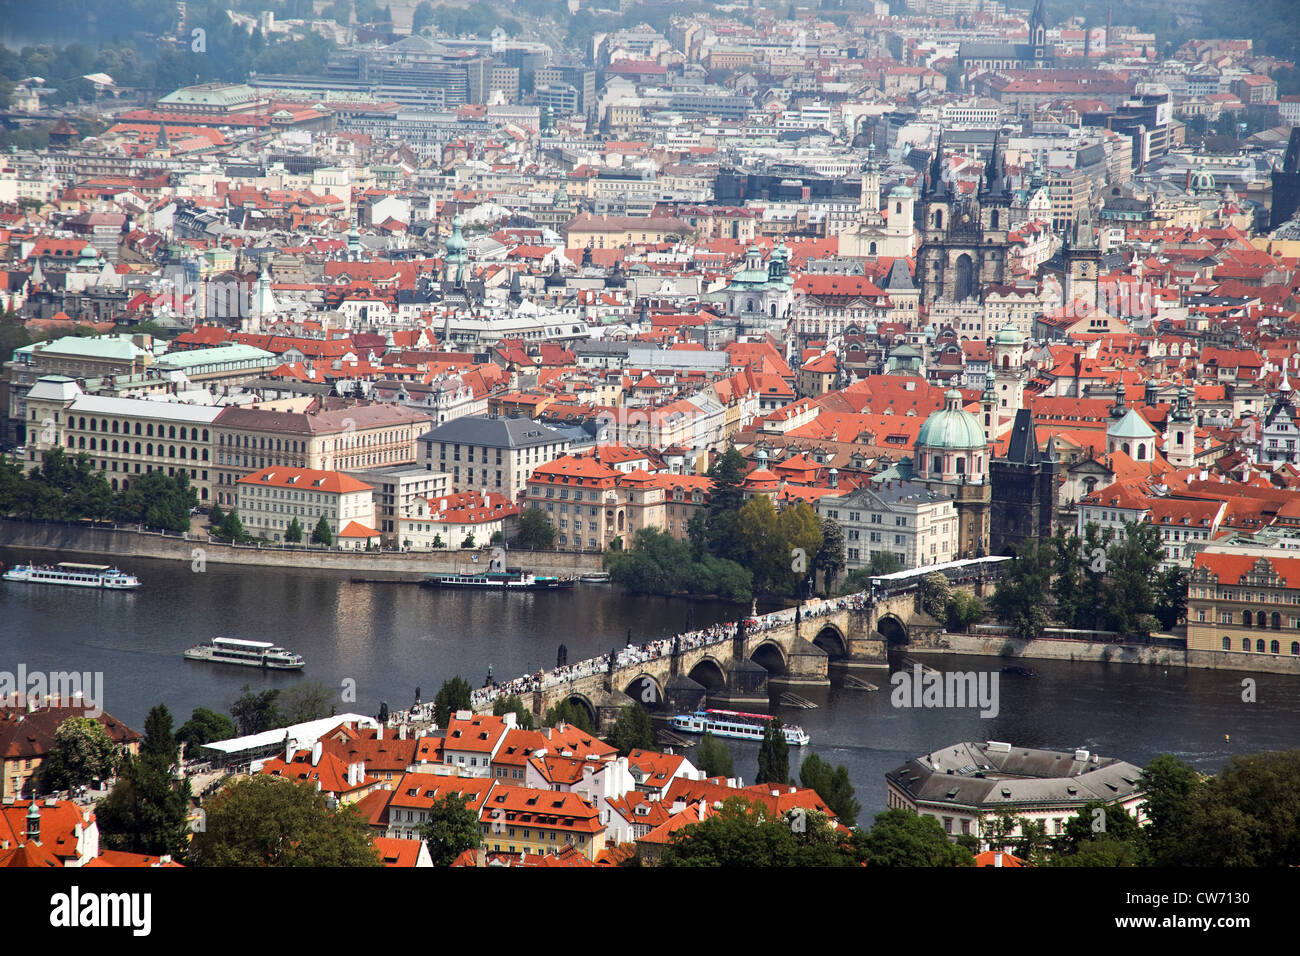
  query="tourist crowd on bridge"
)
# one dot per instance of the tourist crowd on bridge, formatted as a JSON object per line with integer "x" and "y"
{"x": 634, "y": 654}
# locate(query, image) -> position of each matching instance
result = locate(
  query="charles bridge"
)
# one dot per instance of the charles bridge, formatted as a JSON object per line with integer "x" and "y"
{"x": 732, "y": 664}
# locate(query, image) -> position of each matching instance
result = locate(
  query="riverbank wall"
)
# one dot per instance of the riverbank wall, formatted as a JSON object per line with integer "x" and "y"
{"x": 121, "y": 543}
{"x": 1047, "y": 649}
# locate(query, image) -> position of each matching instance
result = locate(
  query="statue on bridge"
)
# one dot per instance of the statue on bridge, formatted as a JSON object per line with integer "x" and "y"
{"x": 562, "y": 656}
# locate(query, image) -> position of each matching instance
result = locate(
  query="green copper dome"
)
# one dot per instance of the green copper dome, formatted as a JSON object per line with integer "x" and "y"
{"x": 951, "y": 429}
{"x": 1009, "y": 335}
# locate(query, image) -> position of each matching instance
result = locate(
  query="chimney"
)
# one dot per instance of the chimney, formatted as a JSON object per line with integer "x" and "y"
{"x": 997, "y": 859}
{"x": 401, "y": 732}
{"x": 703, "y": 807}
{"x": 316, "y": 749}
{"x": 379, "y": 732}
{"x": 289, "y": 751}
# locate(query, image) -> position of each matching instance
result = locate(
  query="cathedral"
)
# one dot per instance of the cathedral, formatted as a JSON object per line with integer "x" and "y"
{"x": 1036, "y": 54}
{"x": 964, "y": 244}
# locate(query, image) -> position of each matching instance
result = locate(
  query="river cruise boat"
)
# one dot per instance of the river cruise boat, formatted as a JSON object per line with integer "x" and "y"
{"x": 735, "y": 724}
{"x": 229, "y": 650}
{"x": 498, "y": 581}
{"x": 74, "y": 575}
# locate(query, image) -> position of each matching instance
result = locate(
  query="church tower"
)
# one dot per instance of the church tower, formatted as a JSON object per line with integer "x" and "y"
{"x": 1180, "y": 443}
{"x": 1038, "y": 33}
{"x": 1082, "y": 262}
{"x": 869, "y": 204}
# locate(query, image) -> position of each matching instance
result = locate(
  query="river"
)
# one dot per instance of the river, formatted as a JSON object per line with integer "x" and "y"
{"x": 389, "y": 639}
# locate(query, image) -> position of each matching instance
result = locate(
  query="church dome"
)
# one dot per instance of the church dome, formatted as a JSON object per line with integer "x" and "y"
{"x": 1203, "y": 181}
{"x": 1009, "y": 335}
{"x": 952, "y": 429}
{"x": 902, "y": 192}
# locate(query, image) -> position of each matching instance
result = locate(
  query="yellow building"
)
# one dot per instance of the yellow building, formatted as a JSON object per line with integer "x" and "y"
{"x": 1243, "y": 610}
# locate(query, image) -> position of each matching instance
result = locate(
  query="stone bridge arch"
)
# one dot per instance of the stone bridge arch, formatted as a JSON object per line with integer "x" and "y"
{"x": 832, "y": 640}
{"x": 709, "y": 673}
{"x": 893, "y": 629}
{"x": 772, "y": 657}
{"x": 585, "y": 702}
{"x": 646, "y": 690}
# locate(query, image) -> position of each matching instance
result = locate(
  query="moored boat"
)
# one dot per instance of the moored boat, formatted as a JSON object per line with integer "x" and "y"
{"x": 512, "y": 580}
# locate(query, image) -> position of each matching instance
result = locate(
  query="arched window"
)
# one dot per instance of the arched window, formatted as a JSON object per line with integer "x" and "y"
{"x": 1142, "y": 452}
{"x": 1227, "y": 643}
{"x": 1277, "y": 621}
{"x": 1274, "y": 647}
{"x": 1245, "y": 643}
{"x": 938, "y": 219}
{"x": 1259, "y": 645}
{"x": 148, "y": 449}
{"x": 1246, "y": 619}
{"x": 961, "y": 464}
{"x": 137, "y": 430}
{"x": 993, "y": 219}
{"x": 137, "y": 448}
{"x": 115, "y": 444}
{"x": 871, "y": 250}
{"x": 1295, "y": 648}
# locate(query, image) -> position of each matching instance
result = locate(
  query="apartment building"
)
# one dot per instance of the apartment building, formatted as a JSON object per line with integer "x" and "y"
{"x": 348, "y": 438}
{"x": 490, "y": 454}
{"x": 1243, "y": 609}
{"x": 269, "y": 500}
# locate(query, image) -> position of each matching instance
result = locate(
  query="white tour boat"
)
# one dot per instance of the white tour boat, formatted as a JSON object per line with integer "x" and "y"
{"x": 229, "y": 650}
{"x": 735, "y": 724}
{"x": 74, "y": 575}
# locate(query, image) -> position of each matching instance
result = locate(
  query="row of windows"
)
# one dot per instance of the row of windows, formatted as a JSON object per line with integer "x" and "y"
{"x": 104, "y": 446}
{"x": 124, "y": 428}
{"x": 1274, "y": 647}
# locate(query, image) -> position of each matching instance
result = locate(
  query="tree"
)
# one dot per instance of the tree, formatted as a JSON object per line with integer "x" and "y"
{"x": 255, "y": 713}
{"x": 902, "y": 838}
{"x": 759, "y": 544}
{"x": 726, "y": 475}
{"x": 632, "y": 730}
{"x": 323, "y": 533}
{"x": 306, "y": 701}
{"x": 830, "y": 557}
{"x": 1132, "y": 565}
{"x": 82, "y": 752}
{"x": 713, "y": 757}
{"x": 1168, "y": 784}
{"x": 1245, "y": 815}
{"x": 216, "y": 516}
{"x": 964, "y": 609}
{"x": 773, "y": 755}
{"x": 147, "y": 810}
{"x": 157, "y": 500}
{"x": 535, "y": 530}
{"x": 203, "y": 727}
{"x": 1101, "y": 834}
{"x": 935, "y": 593}
{"x": 741, "y": 834}
{"x": 1019, "y": 598}
{"x": 455, "y": 694}
{"x": 469, "y": 541}
{"x": 269, "y": 821}
{"x": 293, "y": 533}
{"x": 568, "y": 712}
{"x": 513, "y": 704}
{"x": 832, "y": 786}
{"x": 232, "y": 529}
{"x": 422, "y": 17}
{"x": 451, "y": 829}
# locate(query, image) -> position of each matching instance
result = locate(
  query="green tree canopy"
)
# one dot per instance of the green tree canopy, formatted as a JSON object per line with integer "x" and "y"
{"x": 535, "y": 529}
{"x": 255, "y": 713}
{"x": 742, "y": 835}
{"x": 568, "y": 712}
{"x": 147, "y": 808}
{"x": 902, "y": 838}
{"x": 293, "y": 533}
{"x": 451, "y": 829}
{"x": 514, "y": 704}
{"x": 322, "y": 533}
{"x": 203, "y": 727}
{"x": 773, "y": 755}
{"x": 82, "y": 751}
{"x": 269, "y": 821}
{"x": 306, "y": 701}
{"x": 632, "y": 730}
{"x": 713, "y": 757}
{"x": 454, "y": 694}
{"x": 833, "y": 786}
